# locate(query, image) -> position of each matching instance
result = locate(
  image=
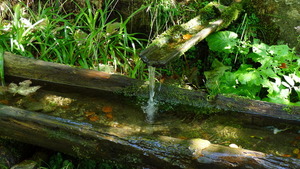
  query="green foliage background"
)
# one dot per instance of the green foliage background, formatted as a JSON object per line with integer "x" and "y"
{"x": 270, "y": 73}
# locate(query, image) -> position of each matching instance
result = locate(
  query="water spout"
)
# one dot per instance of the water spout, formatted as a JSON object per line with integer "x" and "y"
{"x": 151, "y": 108}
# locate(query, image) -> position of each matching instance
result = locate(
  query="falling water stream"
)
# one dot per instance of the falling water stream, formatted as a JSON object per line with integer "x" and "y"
{"x": 151, "y": 107}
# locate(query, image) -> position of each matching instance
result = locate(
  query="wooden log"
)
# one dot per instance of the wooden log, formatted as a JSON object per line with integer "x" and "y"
{"x": 160, "y": 54}
{"x": 86, "y": 140}
{"x": 29, "y": 68}
{"x": 175, "y": 41}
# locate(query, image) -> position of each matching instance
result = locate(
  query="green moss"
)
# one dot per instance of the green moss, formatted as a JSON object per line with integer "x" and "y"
{"x": 56, "y": 134}
{"x": 268, "y": 31}
{"x": 230, "y": 14}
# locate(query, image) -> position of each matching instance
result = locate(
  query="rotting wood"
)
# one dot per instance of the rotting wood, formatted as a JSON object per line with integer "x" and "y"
{"x": 27, "y": 68}
{"x": 85, "y": 140}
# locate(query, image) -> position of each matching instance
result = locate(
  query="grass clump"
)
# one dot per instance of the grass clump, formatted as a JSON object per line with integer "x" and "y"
{"x": 89, "y": 38}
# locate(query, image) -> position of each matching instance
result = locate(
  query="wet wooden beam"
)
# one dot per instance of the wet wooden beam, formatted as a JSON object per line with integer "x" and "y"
{"x": 174, "y": 42}
{"x": 159, "y": 54}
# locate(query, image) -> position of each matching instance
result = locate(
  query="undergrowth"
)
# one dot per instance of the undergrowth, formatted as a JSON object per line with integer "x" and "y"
{"x": 265, "y": 72}
{"x": 236, "y": 63}
{"x": 89, "y": 39}
{"x": 62, "y": 161}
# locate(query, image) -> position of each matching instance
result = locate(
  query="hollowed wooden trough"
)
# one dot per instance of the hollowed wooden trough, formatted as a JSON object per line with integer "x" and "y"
{"x": 125, "y": 145}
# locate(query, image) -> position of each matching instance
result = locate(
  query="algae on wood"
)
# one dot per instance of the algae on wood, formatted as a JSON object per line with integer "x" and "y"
{"x": 178, "y": 39}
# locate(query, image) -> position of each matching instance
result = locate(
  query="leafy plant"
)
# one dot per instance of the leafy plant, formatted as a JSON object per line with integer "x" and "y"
{"x": 87, "y": 39}
{"x": 224, "y": 41}
{"x": 58, "y": 162}
{"x": 271, "y": 73}
{"x": 62, "y": 161}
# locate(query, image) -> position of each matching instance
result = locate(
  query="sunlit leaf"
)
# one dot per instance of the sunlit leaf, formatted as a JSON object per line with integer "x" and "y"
{"x": 295, "y": 78}
{"x": 260, "y": 49}
{"x": 268, "y": 73}
{"x": 252, "y": 77}
{"x": 280, "y": 52}
{"x": 289, "y": 80}
{"x": 286, "y": 84}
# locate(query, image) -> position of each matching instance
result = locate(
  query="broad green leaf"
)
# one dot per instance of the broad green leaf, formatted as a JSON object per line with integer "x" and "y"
{"x": 280, "y": 52}
{"x": 279, "y": 100}
{"x": 267, "y": 73}
{"x": 254, "y": 56}
{"x": 284, "y": 93}
{"x": 273, "y": 87}
{"x": 260, "y": 49}
{"x": 223, "y": 41}
{"x": 213, "y": 76}
{"x": 252, "y": 77}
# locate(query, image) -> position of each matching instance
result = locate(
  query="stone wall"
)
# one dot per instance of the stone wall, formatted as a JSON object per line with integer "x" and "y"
{"x": 281, "y": 20}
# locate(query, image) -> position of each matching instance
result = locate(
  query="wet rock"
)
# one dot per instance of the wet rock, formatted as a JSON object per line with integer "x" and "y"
{"x": 27, "y": 164}
{"x": 280, "y": 20}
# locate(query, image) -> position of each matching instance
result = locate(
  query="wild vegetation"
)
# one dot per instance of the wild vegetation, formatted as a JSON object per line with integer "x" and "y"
{"x": 237, "y": 62}
{"x": 89, "y": 39}
{"x": 265, "y": 72}
{"x": 234, "y": 62}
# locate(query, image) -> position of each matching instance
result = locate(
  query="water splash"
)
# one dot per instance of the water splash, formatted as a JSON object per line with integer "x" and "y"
{"x": 151, "y": 108}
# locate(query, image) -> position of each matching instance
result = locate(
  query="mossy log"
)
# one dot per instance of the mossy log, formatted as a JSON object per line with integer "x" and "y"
{"x": 29, "y": 68}
{"x": 88, "y": 141}
{"x": 183, "y": 100}
{"x": 175, "y": 41}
